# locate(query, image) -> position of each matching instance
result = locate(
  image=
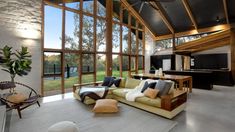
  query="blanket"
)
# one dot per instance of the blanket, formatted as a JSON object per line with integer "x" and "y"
{"x": 93, "y": 92}
{"x": 136, "y": 92}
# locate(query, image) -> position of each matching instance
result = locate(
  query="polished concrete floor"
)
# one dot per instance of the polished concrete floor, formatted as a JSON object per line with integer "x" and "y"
{"x": 208, "y": 111}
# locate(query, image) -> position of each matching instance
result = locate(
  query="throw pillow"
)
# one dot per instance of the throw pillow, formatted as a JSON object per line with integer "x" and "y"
{"x": 116, "y": 82}
{"x": 151, "y": 93}
{"x": 105, "y": 106}
{"x": 163, "y": 87}
{"x": 152, "y": 85}
{"x": 16, "y": 98}
{"x": 146, "y": 85}
{"x": 107, "y": 81}
{"x": 132, "y": 83}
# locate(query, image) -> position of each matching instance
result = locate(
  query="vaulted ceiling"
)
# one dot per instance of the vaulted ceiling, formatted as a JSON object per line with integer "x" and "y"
{"x": 164, "y": 18}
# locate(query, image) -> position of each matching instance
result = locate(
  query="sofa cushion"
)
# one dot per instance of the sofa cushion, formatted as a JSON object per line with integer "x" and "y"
{"x": 116, "y": 82}
{"x": 151, "y": 93}
{"x": 163, "y": 87}
{"x": 122, "y": 83}
{"x": 132, "y": 83}
{"x": 121, "y": 92}
{"x": 148, "y": 85}
{"x": 148, "y": 101}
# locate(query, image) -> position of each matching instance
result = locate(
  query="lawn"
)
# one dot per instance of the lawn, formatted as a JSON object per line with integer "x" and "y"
{"x": 51, "y": 84}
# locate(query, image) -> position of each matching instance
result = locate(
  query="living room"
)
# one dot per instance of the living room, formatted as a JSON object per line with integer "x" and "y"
{"x": 73, "y": 44}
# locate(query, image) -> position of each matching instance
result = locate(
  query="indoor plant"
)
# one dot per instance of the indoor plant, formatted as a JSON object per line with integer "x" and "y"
{"x": 17, "y": 62}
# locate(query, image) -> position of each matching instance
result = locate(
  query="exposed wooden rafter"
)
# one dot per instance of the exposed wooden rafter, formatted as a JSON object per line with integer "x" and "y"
{"x": 226, "y": 11}
{"x": 163, "y": 15}
{"x": 193, "y": 32}
{"x": 188, "y": 9}
{"x": 132, "y": 10}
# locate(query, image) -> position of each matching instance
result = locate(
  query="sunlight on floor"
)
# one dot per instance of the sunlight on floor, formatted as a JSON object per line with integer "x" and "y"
{"x": 57, "y": 97}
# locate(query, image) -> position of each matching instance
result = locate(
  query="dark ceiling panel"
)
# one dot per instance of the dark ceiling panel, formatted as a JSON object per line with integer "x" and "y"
{"x": 151, "y": 17}
{"x": 231, "y": 10}
{"x": 207, "y": 11}
{"x": 177, "y": 15}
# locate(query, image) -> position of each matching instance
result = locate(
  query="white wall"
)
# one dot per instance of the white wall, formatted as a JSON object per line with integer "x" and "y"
{"x": 20, "y": 25}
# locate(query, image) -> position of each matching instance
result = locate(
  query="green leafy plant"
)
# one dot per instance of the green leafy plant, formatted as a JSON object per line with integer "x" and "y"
{"x": 16, "y": 63}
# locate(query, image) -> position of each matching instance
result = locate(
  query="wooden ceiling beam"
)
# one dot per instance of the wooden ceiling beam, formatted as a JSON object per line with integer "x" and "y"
{"x": 132, "y": 10}
{"x": 163, "y": 15}
{"x": 226, "y": 11}
{"x": 188, "y": 9}
{"x": 198, "y": 31}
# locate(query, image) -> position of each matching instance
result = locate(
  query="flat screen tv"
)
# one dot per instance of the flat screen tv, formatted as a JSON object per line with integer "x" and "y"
{"x": 211, "y": 61}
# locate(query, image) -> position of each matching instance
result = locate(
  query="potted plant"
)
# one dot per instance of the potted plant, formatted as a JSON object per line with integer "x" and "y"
{"x": 15, "y": 63}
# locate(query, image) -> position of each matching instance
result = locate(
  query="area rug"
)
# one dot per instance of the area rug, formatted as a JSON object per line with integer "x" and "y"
{"x": 128, "y": 119}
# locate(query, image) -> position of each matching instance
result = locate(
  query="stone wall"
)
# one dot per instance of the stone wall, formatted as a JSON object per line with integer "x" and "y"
{"x": 20, "y": 25}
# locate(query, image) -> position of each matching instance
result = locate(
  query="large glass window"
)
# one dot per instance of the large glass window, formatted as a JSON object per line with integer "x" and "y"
{"x": 116, "y": 66}
{"x": 100, "y": 66}
{"x": 125, "y": 33}
{"x": 101, "y": 8}
{"x": 88, "y": 6}
{"x": 52, "y": 28}
{"x": 116, "y": 38}
{"x": 74, "y": 4}
{"x": 88, "y": 33}
{"x": 87, "y": 63}
{"x": 52, "y": 63}
{"x": 125, "y": 66}
{"x": 133, "y": 42}
{"x": 71, "y": 69}
{"x": 72, "y": 31}
{"x": 100, "y": 35}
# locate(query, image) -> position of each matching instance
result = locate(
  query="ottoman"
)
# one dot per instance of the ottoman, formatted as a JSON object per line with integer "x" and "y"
{"x": 105, "y": 106}
{"x": 64, "y": 126}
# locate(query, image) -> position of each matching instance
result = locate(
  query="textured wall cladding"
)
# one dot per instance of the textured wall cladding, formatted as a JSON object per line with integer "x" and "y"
{"x": 20, "y": 25}
{"x": 15, "y": 13}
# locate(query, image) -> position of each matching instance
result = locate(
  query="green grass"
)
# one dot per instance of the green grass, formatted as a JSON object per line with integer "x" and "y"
{"x": 50, "y": 85}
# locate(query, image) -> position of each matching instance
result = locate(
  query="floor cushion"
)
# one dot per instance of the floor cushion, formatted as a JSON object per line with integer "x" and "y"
{"x": 105, "y": 106}
{"x": 64, "y": 126}
{"x": 16, "y": 98}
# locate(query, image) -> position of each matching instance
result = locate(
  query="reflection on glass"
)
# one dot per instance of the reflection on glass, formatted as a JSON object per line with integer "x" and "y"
{"x": 87, "y": 63}
{"x": 52, "y": 28}
{"x": 88, "y": 6}
{"x": 116, "y": 38}
{"x": 72, "y": 31}
{"x": 52, "y": 63}
{"x": 101, "y": 8}
{"x": 100, "y": 35}
{"x": 74, "y": 4}
{"x": 71, "y": 69}
{"x": 124, "y": 39}
{"x": 100, "y": 66}
{"x": 133, "y": 42}
{"x": 88, "y": 33}
{"x": 116, "y": 66}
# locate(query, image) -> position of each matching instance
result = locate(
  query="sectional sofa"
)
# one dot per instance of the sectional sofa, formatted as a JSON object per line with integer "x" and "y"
{"x": 167, "y": 106}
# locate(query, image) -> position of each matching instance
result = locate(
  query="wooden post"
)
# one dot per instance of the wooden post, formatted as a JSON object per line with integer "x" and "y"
{"x": 109, "y": 13}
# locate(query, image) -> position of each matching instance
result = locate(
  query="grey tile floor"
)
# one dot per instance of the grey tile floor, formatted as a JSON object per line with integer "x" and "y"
{"x": 208, "y": 111}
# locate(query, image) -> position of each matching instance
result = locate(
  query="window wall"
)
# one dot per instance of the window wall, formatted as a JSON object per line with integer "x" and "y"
{"x": 74, "y": 46}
